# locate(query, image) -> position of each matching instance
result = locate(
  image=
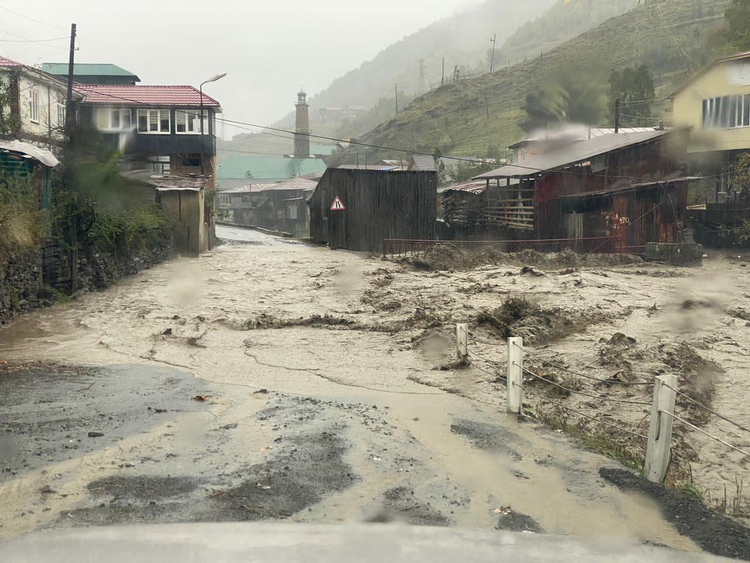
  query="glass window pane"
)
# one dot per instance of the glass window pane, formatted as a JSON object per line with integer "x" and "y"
{"x": 153, "y": 121}
{"x": 114, "y": 119}
{"x": 746, "y": 113}
{"x": 125, "y": 118}
{"x": 164, "y": 121}
{"x": 180, "y": 122}
{"x": 192, "y": 119}
{"x": 142, "y": 121}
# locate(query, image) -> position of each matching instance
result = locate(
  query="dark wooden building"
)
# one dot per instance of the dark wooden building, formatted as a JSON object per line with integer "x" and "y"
{"x": 358, "y": 209}
{"x": 628, "y": 187}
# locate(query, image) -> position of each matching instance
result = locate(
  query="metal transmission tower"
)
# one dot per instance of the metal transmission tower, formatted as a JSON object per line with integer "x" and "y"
{"x": 422, "y": 69}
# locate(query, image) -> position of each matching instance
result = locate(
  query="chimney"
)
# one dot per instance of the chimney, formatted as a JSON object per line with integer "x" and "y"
{"x": 302, "y": 135}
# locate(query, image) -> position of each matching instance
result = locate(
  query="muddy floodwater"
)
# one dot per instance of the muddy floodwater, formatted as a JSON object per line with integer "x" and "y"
{"x": 273, "y": 380}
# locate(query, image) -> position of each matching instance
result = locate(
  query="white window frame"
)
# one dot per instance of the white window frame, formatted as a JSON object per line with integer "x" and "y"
{"x": 148, "y": 114}
{"x": 62, "y": 111}
{"x": 34, "y": 105}
{"x": 187, "y": 113}
{"x": 121, "y": 112}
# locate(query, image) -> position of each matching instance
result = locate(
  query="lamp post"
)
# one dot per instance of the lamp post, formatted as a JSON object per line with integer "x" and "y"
{"x": 203, "y": 151}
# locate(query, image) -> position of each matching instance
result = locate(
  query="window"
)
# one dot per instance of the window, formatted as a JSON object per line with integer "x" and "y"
{"x": 187, "y": 122}
{"x": 190, "y": 160}
{"x": 114, "y": 119}
{"x": 34, "y": 106}
{"x": 61, "y": 113}
{"x": 726, "y": 112}
{"x": 154, "y": 121}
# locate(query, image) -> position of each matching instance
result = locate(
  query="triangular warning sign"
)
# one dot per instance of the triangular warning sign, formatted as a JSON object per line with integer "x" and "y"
{"x": 338, "y": 205}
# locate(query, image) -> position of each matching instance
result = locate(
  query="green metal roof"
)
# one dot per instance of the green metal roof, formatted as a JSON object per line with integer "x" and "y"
{"x": 87, "y": 69}
{"x": 267, "y": 168}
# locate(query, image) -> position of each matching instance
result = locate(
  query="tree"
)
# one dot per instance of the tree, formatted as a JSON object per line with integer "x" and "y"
{"x": 633, "y": 86}
{"x": 570, "y": 96}
{"x": 737, "y": 18}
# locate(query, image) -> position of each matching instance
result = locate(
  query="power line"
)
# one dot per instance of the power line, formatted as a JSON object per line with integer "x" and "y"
{"x": 253, "y": 127}
{"x": 26, "y": 40}
{"x": 32, "y": 19}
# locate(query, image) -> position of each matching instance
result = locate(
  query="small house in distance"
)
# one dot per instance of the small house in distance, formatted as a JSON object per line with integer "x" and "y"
{"x": 278, "y": 207}
{"x": 613, "y": 193}
{"x": 358, "y": 209}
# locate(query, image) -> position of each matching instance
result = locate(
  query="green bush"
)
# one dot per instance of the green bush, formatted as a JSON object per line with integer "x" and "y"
{"x": 21, "y": 221}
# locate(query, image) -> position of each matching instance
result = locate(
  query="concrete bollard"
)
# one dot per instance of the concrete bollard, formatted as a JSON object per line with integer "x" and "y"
{"x": 515, "y": 375}
{"x": 462, "y": 342}
{"x": 660, "y": 429}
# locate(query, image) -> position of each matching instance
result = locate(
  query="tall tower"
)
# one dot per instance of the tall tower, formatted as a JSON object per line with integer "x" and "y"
{"x": 302, "y": 135}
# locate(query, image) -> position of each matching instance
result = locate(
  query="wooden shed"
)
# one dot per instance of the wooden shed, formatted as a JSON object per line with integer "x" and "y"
{"x": 358, "y": 209}
{"x": 629, "y": 188}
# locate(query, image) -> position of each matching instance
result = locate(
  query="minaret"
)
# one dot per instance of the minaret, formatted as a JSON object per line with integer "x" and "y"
{"x": 302, "y": 136}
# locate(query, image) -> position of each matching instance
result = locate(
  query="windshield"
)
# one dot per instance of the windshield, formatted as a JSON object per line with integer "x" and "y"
{"x": 474, "y": 266}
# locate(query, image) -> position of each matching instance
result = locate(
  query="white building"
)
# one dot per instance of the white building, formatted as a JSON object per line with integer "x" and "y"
{"x": 33, "y": 107}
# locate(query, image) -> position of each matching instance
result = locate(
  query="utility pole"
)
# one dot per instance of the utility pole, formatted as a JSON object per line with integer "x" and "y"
{"x": 70, "y": 110}
{"x": 396, "y": 90}
{"x": 617, "y": 115}
{"x": 422, "y": 69}
{"x": 442, "y": 82}
{"x": 492, "y": 63}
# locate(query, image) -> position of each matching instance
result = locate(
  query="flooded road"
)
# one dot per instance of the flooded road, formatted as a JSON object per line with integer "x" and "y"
{"x": 260, "y": 382}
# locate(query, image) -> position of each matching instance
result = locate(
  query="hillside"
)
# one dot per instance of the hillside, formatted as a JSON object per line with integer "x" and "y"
{"x": 673, "y": 39}
{"x": 463, "y": 39}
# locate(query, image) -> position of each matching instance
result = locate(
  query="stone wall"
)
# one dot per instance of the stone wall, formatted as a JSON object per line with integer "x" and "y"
{"x": 21, "y": 286}
{"x": 36, "y": 279}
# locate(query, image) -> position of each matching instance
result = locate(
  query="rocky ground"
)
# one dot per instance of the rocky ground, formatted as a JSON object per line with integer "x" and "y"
{"x": 273, "y": 380}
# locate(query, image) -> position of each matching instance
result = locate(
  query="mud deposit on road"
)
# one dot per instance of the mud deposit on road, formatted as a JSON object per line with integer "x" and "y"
{"x": 328, "y": 392}
{"x": 714, "y": 533}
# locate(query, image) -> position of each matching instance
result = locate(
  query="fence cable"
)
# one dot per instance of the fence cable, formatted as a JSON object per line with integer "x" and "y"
{"x": 694, "y": 427}
{"x": 705, "y": 408}
{"x": 601, "y": 398}
{"x": 617, "y": 426}
{"x": 591, "y": 377}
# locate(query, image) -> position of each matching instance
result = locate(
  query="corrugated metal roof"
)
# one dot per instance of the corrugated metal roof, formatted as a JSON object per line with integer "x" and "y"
{"x": 295, "y": 184}
{"x": 472, "y": 186}
{"x": 574, "y": 153}
{"x": 181, "y": 183}
{"x": 6, "y": 63}
{"x": 88, "y": 69}
{"x": 180, "y": 96}
{"x": 28, "y": 150}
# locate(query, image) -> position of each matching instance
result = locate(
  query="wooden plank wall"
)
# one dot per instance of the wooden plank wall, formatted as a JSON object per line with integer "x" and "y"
{"x": 379, "y": 205}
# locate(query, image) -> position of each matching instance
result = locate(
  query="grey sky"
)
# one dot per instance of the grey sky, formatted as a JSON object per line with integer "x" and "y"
{"x": 268, "y": 47}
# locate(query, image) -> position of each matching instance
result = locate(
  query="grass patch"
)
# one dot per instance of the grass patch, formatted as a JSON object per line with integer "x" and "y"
{"x": 595, "y": 442}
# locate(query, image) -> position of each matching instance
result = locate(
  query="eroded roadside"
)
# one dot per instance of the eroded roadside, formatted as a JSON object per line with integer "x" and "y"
{"x": 322, "y": 404}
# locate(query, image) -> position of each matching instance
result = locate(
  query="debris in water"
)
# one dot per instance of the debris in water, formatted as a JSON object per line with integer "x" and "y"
{"x": 200, "y": 398}
{"x": 502, "y": 510}
{"x": 95, "y": 434}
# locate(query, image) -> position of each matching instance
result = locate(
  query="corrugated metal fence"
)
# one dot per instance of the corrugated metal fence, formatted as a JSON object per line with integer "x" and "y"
{"x": 378, "y": 205}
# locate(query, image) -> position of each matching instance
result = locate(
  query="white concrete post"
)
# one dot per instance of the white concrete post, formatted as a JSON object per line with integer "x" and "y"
{"x": 515, "y": 375}
{"x": 660, "y": 429}
{"x": 462, "y": 342}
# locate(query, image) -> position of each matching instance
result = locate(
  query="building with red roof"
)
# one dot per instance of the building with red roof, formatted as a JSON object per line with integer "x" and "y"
{"x": 160, "y": 127}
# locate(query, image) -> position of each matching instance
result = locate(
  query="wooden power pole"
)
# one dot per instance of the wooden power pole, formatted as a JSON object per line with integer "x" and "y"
{"x": 396, "y": 90}
{"x": 617, "y": 115}
{"x": 492, "y": 62}
{"x": 70, "y": 110}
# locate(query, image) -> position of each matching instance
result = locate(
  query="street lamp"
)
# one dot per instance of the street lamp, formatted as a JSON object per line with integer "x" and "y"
{"x": 203, "y": 149}
{"x": 212, "y": 79}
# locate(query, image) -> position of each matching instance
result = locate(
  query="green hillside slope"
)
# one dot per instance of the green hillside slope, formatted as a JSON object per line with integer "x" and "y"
{"x": 673, "y": 39}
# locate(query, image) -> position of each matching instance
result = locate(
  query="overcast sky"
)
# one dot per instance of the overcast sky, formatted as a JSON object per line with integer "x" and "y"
{"x": 268, "y": 47}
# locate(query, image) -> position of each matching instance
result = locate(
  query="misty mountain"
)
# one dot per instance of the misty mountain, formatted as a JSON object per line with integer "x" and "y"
{"x": 462, "y": 39}
{"x": 673, "y": 39}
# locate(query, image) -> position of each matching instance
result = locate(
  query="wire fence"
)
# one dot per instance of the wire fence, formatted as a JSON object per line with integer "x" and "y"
{"x": 614, "y": 400}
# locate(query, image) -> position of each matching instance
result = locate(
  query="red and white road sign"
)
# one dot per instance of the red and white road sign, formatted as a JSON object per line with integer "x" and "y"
{"x": 338, "y": 205}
